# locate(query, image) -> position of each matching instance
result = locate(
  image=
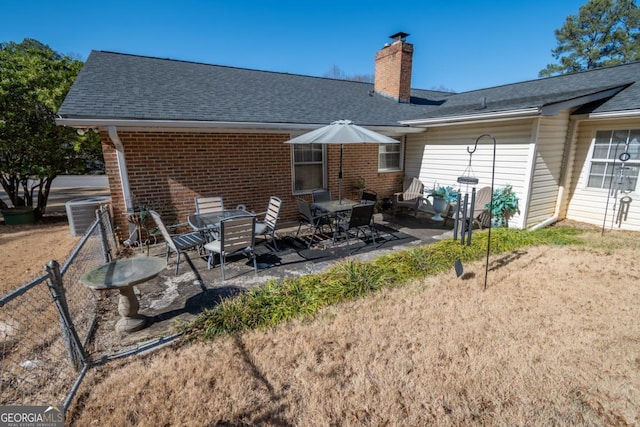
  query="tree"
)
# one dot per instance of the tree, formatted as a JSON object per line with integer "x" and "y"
{"x": 605, "y": 32}
{"x": 34, "y": 79}
{"x": 337, "y": 73}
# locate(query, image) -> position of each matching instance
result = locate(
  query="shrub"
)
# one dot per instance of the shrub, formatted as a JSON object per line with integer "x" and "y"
{"x": 505, "y": 205}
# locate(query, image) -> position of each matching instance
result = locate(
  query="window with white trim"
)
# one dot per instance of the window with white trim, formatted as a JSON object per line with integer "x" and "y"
{"x": 390, "y": 157}
{"x": 610, "y": 147}
{"x": 308, "y": 167}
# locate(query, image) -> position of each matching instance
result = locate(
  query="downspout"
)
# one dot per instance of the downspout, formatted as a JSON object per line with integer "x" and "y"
{"x": 122, "y": 168}
{"x": 544, "y": 223}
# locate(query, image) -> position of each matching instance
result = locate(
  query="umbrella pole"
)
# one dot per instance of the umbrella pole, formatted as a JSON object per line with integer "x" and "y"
{"x": 340, "y": 178}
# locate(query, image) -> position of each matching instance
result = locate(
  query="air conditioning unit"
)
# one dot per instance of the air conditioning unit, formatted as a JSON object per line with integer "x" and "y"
{"x": 82, "y": 212}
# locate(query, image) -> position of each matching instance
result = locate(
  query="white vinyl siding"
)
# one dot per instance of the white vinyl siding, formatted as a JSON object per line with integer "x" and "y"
{"x": 439, "y": 156}
{"x": 547, "y": 174}
{"x": 589, "y": 204}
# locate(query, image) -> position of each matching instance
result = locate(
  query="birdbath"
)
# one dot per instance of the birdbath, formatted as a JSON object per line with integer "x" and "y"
{"x": 122, "y": 275}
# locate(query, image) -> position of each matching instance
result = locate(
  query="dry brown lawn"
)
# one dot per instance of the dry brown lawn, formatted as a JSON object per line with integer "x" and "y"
{"x": 554, "y": 340}
{"x": 26, "y": 249}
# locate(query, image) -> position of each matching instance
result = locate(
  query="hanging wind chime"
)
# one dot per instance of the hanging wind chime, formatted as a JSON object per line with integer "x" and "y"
{"x": 465, "y": 206}
{"x": 623, "y": 184}
{"x": 463, "y": 219}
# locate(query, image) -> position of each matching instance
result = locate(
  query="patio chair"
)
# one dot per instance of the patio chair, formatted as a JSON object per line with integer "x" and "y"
{"x": 178, "y": 243}
{"x": 237, "y": 235}
{"x": 410, "y": 198}
{"x": 481, "y": 215}
{"x": 206, "y": 204}
{"x": 267, "y": 227}
{"x": 320, "y": 195}
{"x": 369, "y": 196}
{"x": 306, "y": 216}
{"x": 209, "y": 204}
{"x": 361, "y": 218}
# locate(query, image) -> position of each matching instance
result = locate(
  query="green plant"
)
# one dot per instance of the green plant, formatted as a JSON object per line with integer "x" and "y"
{"x": 448, "y": 193}
{"x": 34, "y": 79}
{"x": 505, "y": 205}
{"x": 360, "y": 183}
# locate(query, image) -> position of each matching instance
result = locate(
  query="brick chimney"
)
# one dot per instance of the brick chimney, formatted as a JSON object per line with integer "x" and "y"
{"x": 393, "y": 69}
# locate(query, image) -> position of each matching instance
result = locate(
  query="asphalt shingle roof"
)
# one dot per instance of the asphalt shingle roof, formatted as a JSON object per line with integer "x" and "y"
{"x": 541, "y": 92}
{"x": 120, "y": 86}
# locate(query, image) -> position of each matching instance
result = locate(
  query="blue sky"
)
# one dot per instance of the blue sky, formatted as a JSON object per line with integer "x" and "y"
{"x": 458, "y": 45}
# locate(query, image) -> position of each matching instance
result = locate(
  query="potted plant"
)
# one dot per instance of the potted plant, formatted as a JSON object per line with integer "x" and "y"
{"x": 443, "y": 196}
{"x": 505, "y": 206}
{"x": 448, "y": 193}
{"x": 359, "y": 185}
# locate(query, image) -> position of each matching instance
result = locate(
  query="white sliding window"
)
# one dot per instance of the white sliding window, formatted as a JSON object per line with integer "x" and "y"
{"x": 606, "y": 162}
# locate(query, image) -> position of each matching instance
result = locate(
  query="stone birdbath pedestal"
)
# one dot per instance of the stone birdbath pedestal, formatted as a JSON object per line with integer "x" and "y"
{"x": 122, "y": 275}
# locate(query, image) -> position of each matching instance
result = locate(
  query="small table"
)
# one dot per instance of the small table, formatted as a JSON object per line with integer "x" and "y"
{"x": 122, "y": 275}
{"x": 210, "y": 222}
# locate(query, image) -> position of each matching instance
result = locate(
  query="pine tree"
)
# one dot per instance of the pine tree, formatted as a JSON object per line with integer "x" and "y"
{"x": 605, "y": 32}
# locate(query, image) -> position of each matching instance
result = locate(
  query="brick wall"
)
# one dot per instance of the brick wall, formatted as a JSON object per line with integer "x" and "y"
{"x": 360, "y": 160}
{"x": 168, "y": 169}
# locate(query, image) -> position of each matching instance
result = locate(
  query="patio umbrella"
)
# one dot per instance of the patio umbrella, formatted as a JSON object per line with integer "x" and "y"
{"x": 342, "y": 132}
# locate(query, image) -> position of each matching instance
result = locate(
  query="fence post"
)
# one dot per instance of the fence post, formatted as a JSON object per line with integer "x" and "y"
{"x": 75, "y": 351}
{"x": 100, "y": 212}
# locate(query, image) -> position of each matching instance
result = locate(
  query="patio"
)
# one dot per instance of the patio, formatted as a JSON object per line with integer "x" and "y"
{"x": 170, "y": 298}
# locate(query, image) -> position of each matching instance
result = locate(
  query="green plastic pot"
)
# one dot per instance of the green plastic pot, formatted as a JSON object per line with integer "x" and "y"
{"x": 18, "y": 216}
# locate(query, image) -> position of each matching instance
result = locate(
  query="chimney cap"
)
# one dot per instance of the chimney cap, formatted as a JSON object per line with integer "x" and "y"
{"x": 399, "y": 36}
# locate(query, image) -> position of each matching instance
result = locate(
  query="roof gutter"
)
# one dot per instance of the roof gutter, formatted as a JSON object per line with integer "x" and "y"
{"x": 467, "y": 118}
{"x": 215, "y": 126}
{"x": 615, "y": 114}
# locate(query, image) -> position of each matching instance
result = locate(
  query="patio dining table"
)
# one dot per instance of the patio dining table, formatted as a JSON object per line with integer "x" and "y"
{"x": 209, "y": 223}
{"x": 336, "y": 206}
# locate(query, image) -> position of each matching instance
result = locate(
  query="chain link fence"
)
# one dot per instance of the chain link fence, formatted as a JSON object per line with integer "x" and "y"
{"x": 45, "y": 325}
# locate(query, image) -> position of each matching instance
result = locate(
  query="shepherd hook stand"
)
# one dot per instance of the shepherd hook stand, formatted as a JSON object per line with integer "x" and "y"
{"x": 467, "y": 223}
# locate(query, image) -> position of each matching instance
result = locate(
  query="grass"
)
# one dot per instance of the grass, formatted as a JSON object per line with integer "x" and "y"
{"x": 302, "y": 297}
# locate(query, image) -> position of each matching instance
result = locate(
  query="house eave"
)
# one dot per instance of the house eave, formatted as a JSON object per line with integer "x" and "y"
{"x": 470, "y": 118}
{"x": 213, "y": 126}
{"x": 554, "y": 108}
